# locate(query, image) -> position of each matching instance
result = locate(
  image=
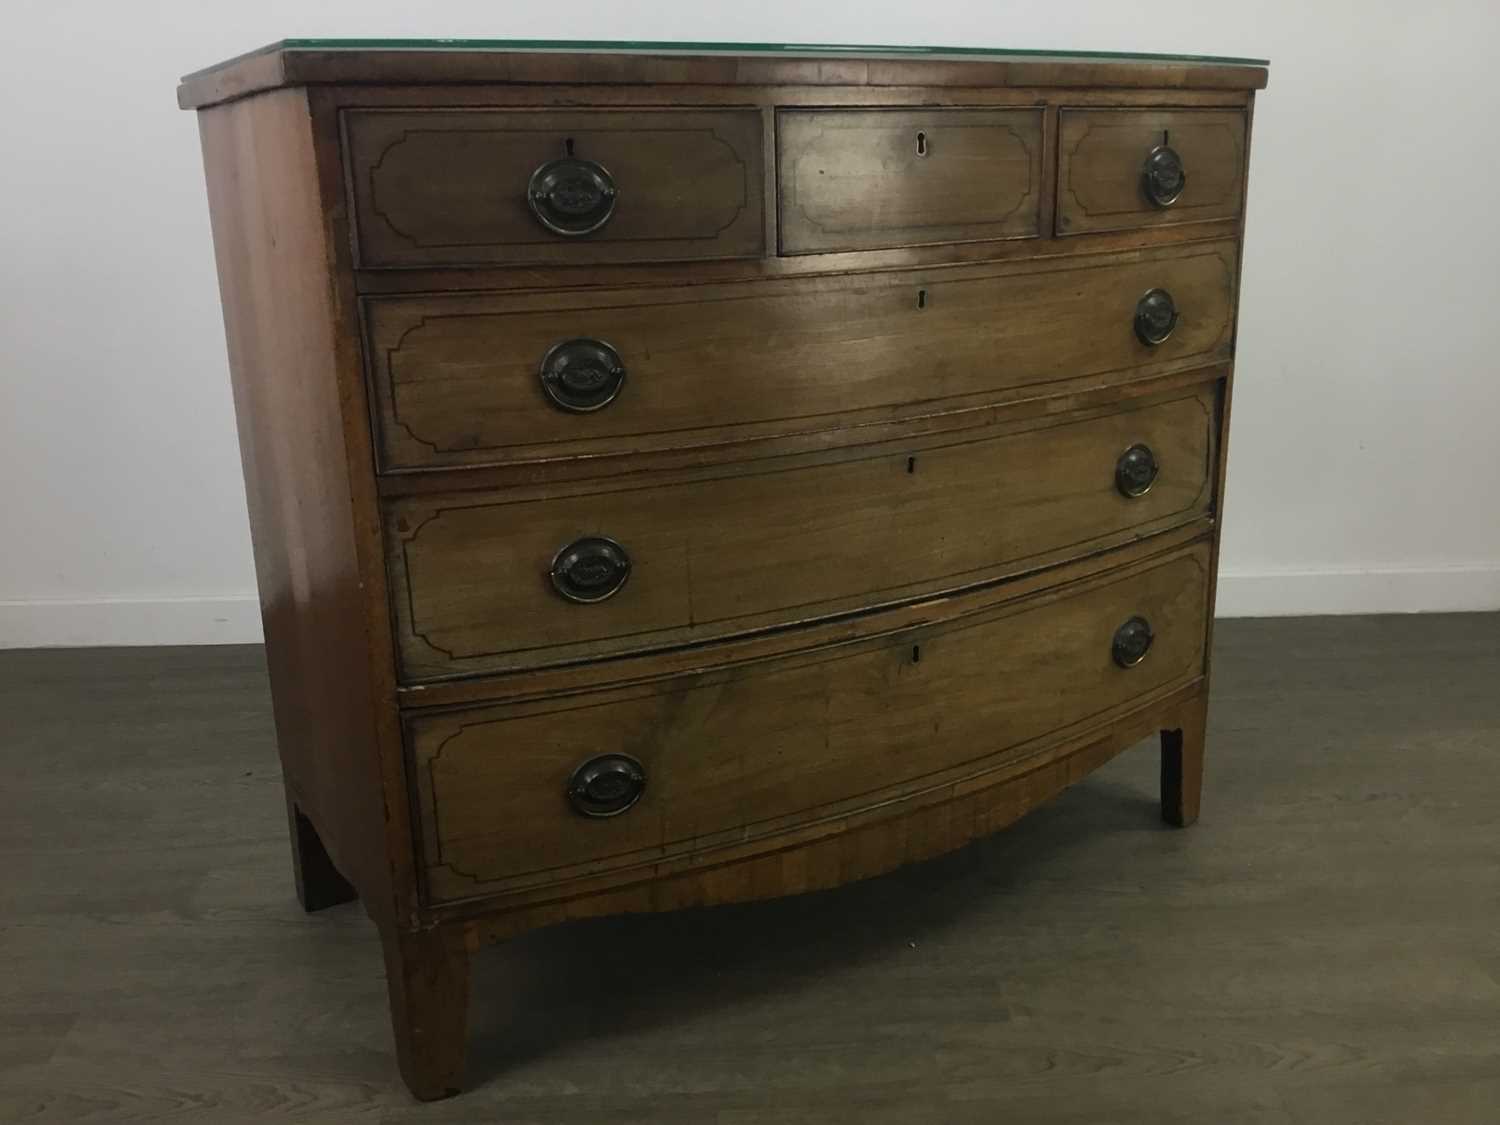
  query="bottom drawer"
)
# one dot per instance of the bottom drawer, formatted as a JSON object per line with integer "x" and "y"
{"x": 516, "y": 796}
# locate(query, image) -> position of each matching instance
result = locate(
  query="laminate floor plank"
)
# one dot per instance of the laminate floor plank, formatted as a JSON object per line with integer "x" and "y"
{"x": 1320, "y": 948}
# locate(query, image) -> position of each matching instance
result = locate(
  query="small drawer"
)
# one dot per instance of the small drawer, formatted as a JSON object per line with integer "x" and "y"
{"x": 621, "y": 783}
{"x": 507, "y": 379}
{"x": 867, "y": 179}
{"x": 455, "y": 187}
{"x": 487, "y": 582}
{"x": 1122, "y": 169}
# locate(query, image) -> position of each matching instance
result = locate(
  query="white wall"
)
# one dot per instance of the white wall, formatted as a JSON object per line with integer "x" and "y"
{"x": 1365, "y": 455}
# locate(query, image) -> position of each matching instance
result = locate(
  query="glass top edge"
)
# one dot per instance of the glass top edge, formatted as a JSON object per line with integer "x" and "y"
{"x": 627, "y": 46}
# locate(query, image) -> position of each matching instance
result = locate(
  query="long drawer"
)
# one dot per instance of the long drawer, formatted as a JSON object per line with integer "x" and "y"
{"x": 499, "y": 378}
{"x": 527, "y": 794}
{"x": 493, "y": 581}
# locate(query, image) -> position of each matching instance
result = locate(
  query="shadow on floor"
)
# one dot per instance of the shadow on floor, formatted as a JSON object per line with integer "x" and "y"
{"x": 596, "y": 979}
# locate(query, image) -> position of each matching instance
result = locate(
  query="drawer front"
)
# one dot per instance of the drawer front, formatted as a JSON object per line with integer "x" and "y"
{"x": 499, "y": 187}
{"x": 866, "y": 179}
{"x": 772, "y": 545}
{"x": 465, "y": 380}
{"x": 754, "y": 753}
{"x": 1122, "y": 169}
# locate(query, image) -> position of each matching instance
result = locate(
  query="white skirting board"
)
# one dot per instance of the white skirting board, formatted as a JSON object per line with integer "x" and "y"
{"x": 1306, "y": 593}
{"x": 235, "y": 618}
{"x": 96, "y": 622}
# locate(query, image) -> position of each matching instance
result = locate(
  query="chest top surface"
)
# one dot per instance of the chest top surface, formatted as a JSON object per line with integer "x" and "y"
{"x": 294, "y": 62}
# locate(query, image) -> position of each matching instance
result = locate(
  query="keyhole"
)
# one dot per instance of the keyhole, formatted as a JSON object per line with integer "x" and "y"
{"x": 911, "y": 464}
{"x": 921, "y": 144}
{"x": 1166, "y": 136}
{"x": 568, "y": 145}
{"x": 916, "y": 654}
{"x": 921, "y": 298}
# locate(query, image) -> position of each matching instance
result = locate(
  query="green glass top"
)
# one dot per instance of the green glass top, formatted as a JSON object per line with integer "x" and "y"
{"x": 626, "y": 46}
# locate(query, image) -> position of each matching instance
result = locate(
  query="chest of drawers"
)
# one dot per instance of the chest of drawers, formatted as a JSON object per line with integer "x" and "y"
{"x": 680, "y": 476}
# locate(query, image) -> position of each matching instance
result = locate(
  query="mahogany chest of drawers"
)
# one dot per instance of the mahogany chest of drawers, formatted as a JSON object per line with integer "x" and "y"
{"x": 686, "y": 476}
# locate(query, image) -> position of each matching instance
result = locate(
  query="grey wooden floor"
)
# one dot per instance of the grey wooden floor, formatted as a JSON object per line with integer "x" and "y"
{"x": 1322, "y": 948}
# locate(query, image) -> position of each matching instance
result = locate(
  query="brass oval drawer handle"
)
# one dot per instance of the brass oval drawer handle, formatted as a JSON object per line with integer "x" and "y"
{"x": 581, "y": 375}
{"x": 606, "y": 785}
{"x": 1155, "y": 317}
{"x": 1163, "y": 176}
{"x": 1132, "y": 642}
{"x": 590, "y": 569}
{"x": 1135, "y": 471}
{"x": 571, "y": 196}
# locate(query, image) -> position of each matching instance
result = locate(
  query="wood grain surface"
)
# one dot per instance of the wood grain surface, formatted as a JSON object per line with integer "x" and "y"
{"x": 333, "y": 101}
{"x": 449, "y": 186}
{"x": 309, "y": 64}
{"x": 763, "y": 750}
{"x": 766, "y": 543}
{"x": 1102, "y": 154}
{"x": 535, "y": 683}
{"x": 455, "y": 378}
{"x": 865, "y": 179}
{"x": 305, "y": 452}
